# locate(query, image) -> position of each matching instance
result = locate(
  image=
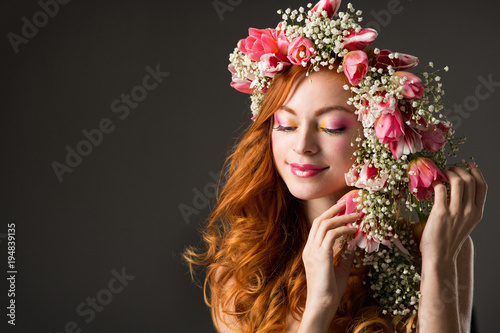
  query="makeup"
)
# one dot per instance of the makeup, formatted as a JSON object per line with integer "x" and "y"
{"x": 333, "y": 125}
{"x": 306, "y": 170}
{"x": 284, "y": 120}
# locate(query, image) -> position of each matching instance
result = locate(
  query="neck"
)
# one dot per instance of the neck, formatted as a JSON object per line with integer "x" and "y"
{"x": 316, "y": 207}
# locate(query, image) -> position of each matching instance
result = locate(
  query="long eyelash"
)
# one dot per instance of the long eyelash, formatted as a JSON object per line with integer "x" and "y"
{"x": 283, "y": 128}
{"x": 334, "y": 131}
{"x": 326, "y": 130}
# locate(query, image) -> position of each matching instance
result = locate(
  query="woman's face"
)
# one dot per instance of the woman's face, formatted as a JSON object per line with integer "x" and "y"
{"x": 312, "y": 135}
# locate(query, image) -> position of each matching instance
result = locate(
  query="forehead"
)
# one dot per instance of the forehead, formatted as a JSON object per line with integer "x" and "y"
{"x": 318, "y": 91}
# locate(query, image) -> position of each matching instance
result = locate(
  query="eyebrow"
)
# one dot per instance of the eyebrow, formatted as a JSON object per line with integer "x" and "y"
{"x": 320, "y": 111}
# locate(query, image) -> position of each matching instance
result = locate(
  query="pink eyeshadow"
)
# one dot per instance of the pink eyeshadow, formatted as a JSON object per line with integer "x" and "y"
{"x": 277, "y": 119}
{"x": 335, "y": 124}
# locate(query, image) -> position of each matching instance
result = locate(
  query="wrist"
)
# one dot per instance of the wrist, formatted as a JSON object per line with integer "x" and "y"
{"x": 440, "y": 272}
{"x": 317, "y": 318}
{"x": 438, "y": 263}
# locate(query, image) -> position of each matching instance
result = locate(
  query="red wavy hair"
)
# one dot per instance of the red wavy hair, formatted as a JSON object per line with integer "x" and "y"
{"x": 255, "y": 237}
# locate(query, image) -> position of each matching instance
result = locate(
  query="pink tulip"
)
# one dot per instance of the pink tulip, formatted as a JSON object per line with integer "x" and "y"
{"x": 389, "y": 127}
{"x": 273, "y": 63}
{"x": 403, "y": 61}
{"x": 368, "y": 177}
{"x": 331, "y": 7}
{"x": 422, "y": 172}
{"x": 359, "y": 40}
{"x": 371, "y": 244}
{"x": 410, "y": 83}
{"x": 299, "y": 50}
{"x": 243, "y": 85}
{"x": 362, "y": 241}
{"x": 259, "y": 42}
{"x": 409, "y": 143}
{"x": 355, "y": 66}
{"x": 433, "y": 137}
{"x": 281, "y": 39}
{"x": 351, "y": 206}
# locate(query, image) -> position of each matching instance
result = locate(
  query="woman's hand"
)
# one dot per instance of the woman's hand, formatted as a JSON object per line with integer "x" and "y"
{"x": 326, "y": 283}
{"x": 446, "y": 283}
{"x": 451, "y": 221}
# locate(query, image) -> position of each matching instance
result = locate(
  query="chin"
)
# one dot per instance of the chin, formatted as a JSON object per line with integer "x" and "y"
{"x": 306, "y": 193}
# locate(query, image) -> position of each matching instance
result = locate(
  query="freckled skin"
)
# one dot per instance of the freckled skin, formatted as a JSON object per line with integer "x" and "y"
{"x": 306, "y": 142}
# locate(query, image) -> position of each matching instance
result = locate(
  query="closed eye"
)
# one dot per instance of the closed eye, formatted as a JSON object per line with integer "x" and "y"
{"x": 334, "y": 131}
{"x": 285, "y": 128}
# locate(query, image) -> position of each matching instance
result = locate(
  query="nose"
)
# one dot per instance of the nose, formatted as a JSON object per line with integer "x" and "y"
{"x": 306, "y": 141}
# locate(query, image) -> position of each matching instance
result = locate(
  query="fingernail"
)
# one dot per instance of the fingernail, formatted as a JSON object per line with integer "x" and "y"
{"x": 340, "y": 202}
{"x": 472, "y": 164}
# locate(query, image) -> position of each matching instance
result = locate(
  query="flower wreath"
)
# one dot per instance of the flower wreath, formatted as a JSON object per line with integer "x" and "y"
{"x": 402, "y": 147}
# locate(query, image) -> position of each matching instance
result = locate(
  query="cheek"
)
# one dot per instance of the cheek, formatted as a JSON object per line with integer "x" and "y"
{"x": 342, "y": 144}
{"x": 279, "y": 153}
{"x": 275, "y": 146}
{"x": 341, "y": 152}
{"x": 344, "y": 150}
{"x": 278, "y": 143}
{"x": 281, "y": 148}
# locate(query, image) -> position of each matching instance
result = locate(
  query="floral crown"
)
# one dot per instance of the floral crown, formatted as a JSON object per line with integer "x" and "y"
{"x": 401, "y": 149}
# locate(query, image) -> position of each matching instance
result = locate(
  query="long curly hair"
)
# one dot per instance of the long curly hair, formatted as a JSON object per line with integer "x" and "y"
{"x": 255, "y": 236}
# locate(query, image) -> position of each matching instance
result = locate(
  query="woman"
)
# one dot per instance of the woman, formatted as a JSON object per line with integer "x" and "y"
{"x": 277, "y": 243}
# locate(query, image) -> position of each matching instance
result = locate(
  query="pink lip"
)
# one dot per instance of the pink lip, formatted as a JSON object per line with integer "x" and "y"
{"x": 306, "y": 170}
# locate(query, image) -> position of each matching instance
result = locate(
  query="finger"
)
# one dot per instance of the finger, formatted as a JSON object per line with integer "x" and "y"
{"x": 456, "y": 188}
{"x": 481, "y": 186}
{"x": 333, "y": 234}
{"x": 440, "y": 196}
{"x": 469, "y": 185}
{"x": 330, "y": 212}
{"x": 333, "y": 223}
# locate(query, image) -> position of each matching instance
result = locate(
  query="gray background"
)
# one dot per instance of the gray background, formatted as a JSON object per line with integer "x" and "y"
{"x": 119, "y": 208}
